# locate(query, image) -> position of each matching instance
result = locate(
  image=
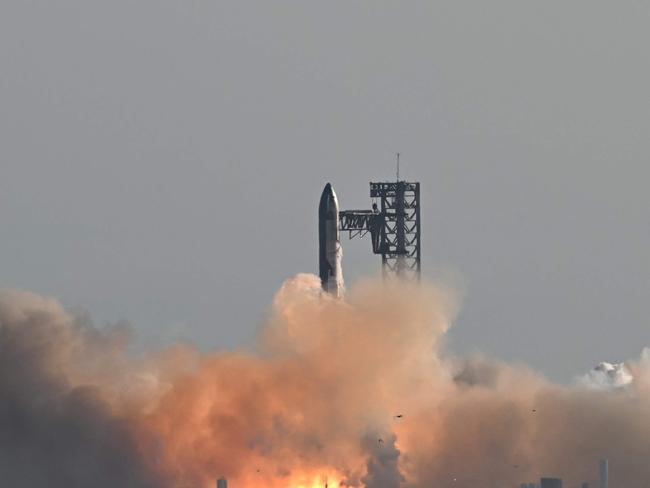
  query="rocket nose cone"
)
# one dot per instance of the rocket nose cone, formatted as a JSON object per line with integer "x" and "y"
{"x": 327, "y": 194}
{"x": 332, "y": 194}
{"x": 328, "y": 199}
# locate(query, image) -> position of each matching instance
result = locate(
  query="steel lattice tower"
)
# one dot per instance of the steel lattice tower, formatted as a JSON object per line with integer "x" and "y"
{"x": 400, "y": 229}
{"x": 394, "y": 226}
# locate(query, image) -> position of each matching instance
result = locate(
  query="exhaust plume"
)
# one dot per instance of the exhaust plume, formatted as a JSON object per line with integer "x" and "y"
{"x": 355, "y": 393}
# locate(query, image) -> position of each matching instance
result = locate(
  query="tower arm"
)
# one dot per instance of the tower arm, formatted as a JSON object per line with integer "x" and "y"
{"x": 359, "y": 222}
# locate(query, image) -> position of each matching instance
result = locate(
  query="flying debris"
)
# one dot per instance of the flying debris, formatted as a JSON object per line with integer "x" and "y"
{"x": 329, "y": 243}
{"x": 399, "y": 416}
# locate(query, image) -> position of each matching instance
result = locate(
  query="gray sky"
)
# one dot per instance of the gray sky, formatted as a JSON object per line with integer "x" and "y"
{"x": 161, "y": 161}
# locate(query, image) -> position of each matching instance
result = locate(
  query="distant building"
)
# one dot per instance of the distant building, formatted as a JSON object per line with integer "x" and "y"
{"x": 603, "y": 473}
{"x": 222, "y": 483}
{"x": 551, "y": 483}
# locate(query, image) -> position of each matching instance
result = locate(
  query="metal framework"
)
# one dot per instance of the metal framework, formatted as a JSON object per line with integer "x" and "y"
{"x": 394, "y": 226}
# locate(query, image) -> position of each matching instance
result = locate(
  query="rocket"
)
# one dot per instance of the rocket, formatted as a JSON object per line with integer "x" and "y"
{"x": 329, "y": 243}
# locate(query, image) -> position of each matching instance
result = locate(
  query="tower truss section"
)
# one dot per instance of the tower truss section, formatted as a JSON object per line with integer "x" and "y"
{"x": 393, "y": 224}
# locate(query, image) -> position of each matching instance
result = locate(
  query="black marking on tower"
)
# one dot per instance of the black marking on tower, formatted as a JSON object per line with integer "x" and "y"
{"x": 394, "y": 226}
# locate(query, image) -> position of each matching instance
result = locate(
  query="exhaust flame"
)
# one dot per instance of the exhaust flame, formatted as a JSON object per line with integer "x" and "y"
{"x": 354, "y": 393}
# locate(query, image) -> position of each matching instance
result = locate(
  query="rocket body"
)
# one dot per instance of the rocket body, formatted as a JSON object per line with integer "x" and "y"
{"x": 329, "y": 243}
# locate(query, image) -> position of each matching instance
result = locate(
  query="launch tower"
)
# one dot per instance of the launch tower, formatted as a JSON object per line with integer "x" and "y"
{"x": 393, "y": 224}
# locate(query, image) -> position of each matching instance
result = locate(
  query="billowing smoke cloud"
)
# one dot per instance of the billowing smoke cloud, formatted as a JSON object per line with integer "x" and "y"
{"x": 357, "y": 393}
{"x": 383, "y": 468}
{"x": 607, "y": 376}
{"x": 57, "y": 425}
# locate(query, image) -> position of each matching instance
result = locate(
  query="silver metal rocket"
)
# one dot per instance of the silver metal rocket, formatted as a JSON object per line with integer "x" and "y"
{"x": 329, "y": 243}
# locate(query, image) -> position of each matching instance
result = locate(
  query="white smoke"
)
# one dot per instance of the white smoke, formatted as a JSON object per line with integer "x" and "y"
{"x": 608, "y": 376}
